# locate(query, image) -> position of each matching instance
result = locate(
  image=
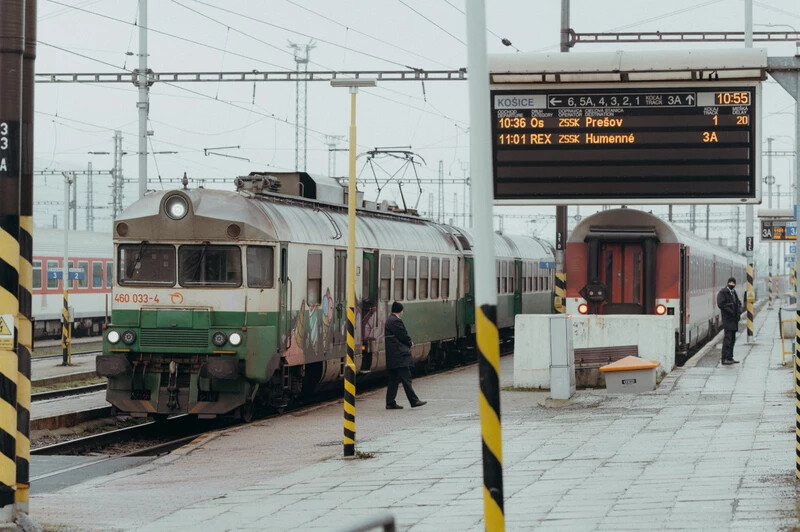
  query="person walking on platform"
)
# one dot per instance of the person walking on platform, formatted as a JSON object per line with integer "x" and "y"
{"x": 398, "y": 359}
{"x": 731, "y": 308}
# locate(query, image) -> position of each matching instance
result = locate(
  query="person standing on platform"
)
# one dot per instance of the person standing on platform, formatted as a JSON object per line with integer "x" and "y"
{"x": 398, "y": 359}
{"x": 731, "y": 308}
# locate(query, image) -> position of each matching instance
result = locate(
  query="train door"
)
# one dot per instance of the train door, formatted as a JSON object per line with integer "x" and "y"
{"x": 621, "y": 269}
{"x": 469, "y": 292}
{"x": 369, "y": 307}
{"x": 684, "y": 291}
{"x": 285, "y": 312}
{"x": 339, "y": 299}
{"x": 517, "y": 287}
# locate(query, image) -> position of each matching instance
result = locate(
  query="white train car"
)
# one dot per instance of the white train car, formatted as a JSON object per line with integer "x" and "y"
{"x": 89, "y": 295}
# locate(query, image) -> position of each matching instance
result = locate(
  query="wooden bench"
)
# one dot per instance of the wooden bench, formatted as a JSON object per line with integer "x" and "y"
{"x": 600, "y": 356}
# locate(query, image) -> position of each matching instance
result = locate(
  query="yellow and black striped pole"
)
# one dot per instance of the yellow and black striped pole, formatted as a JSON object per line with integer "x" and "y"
{"x": 25, "y": 340}
{"x": 488, "y": 340}
{"x": 486, "y": 334}
{"x": 797, "y": 392}
{"x": 769, "y": 288}
{"x": 750, "y": 300}
{"x": 66, "y": 329}
{"x": 349, "y": 438}
{"x": 12, "y": 45}
{"x": 25, "y": 315}
{"x": 560, "y": 287}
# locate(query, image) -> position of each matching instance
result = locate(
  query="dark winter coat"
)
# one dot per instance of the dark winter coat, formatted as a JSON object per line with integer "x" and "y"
{"x": 731, "y": 309}
{"x": 398, "y": 344}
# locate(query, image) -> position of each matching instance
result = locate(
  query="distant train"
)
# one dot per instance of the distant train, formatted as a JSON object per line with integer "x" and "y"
{"x": 625, "y": 261}
{"x": 224, "y": 301}
{"x": 92, "y": 261}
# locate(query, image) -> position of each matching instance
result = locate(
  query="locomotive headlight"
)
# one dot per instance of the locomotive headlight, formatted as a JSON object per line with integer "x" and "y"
{"x": 128, "y": 337}
{"x": 176, "y": 207}
{"x": 112, "y": 337}
{"x": 219, "y": 339}
{"x": 661, "y": 310}
{"x": 583, "y": 308}
{"x": 235, "y": 339}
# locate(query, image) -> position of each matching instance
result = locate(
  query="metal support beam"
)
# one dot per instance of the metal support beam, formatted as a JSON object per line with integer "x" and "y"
{"x": 679, "y": 36}
{"x": 253, "y": 76}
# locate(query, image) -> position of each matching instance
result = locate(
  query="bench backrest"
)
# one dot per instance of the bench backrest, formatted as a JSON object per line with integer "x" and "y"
{"x": 604, "y": 355}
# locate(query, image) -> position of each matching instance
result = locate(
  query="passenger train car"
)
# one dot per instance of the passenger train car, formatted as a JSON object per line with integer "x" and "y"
{"x": 625, "y": 261}
{"x": 227, "y": 300}
{"x": 89, "y": 295}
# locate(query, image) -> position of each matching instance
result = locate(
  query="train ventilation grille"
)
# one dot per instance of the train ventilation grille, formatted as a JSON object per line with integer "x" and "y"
{"x": 173, "y": 338}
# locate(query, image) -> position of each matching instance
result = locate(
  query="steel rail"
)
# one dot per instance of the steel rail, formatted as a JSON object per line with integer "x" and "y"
{"x": 68, "y": 392}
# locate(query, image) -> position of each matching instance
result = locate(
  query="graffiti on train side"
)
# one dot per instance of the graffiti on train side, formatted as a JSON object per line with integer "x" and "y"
{"x": 318, "y": 330}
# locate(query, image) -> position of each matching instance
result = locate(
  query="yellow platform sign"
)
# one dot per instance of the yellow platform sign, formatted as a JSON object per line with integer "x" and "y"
{"x": 6, "y": 331}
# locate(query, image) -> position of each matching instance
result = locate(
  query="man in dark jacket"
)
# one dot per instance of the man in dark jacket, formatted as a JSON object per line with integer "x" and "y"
{"x": 398, "y": 359}
{"x": 731, "y": 308}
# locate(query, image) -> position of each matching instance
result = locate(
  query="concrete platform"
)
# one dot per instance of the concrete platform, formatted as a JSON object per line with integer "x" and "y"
{"x": 712, "y": 448}
{"x": 50, "y": 369}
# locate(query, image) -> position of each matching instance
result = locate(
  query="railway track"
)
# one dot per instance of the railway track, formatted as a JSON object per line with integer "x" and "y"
{"x": 147, "y": 439}
{"x": 68, "y": 392}
{"x": 59, "y": 356}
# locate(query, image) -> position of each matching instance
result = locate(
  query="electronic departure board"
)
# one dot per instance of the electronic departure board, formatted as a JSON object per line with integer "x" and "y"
{"x": 778, "y": 230}
{"x": 689, "y": 143}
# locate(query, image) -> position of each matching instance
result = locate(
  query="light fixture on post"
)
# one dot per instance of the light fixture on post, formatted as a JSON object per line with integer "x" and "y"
{"x": 349, "y": 439}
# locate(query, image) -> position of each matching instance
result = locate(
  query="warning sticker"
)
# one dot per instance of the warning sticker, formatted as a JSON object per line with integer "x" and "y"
{"x": 6, "y": 331}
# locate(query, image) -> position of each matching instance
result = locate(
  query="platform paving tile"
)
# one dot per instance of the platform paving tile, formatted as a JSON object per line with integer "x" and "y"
{"x": 711, "y": 449}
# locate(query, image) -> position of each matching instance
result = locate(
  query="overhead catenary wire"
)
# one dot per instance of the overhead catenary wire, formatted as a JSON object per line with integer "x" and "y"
{"x": 367, "y": 35}
{"x": 331, "y": 43}
{"x": 171, "y": 35}
{"x": 503, "y": 40}
{"x": 381, "y": 87}
{"x": 174, "y": 85}
{"x": 432, "y": 22}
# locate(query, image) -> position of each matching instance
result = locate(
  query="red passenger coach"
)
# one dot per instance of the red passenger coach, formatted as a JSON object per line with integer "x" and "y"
{"x": 625, "y": 261}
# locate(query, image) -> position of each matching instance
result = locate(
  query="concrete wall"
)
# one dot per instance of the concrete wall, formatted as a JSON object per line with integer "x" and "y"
{"x": 532, "y": 351}
{"x": 654, "y": 335}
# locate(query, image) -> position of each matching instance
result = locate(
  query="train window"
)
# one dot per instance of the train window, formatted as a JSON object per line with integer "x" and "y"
{"x": 434, "y": 278}
{"x": 70, "y": 282}
{"x": 445, "y": 278}
{"x": 314, "y": 269}
{"x": 497, "y": 274}
{"x": 386, "y": 277}
{"x": 530, "y": 277}
{"x": 504, "y": 277}
{"x": 467, "y": 277}
{"x": 97, "y": 275}
{"x": 37, "y": 275}
{"x": 83, "y": 266}
{"x": 210, "y": 265}
{"x": 260, "y": 266}
{"x": 512, "y": 276}
{"x": 146, "y": 264}
{"x": 423, "y": 277}
{"x": 525, "y": 269}
{"x": 411, "y": 274}
{"x": 399, "y": 274}
{"x": 109, "y": 274}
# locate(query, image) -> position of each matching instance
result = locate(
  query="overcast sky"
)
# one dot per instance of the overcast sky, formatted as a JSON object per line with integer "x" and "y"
{"x": 216, "y": 35}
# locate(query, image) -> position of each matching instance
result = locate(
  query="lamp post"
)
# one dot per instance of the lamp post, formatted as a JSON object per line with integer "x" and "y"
{"x": 349, "y": 439}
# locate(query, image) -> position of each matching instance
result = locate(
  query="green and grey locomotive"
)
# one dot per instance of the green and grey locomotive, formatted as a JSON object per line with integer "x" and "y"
{"x": 224, "y": 301}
